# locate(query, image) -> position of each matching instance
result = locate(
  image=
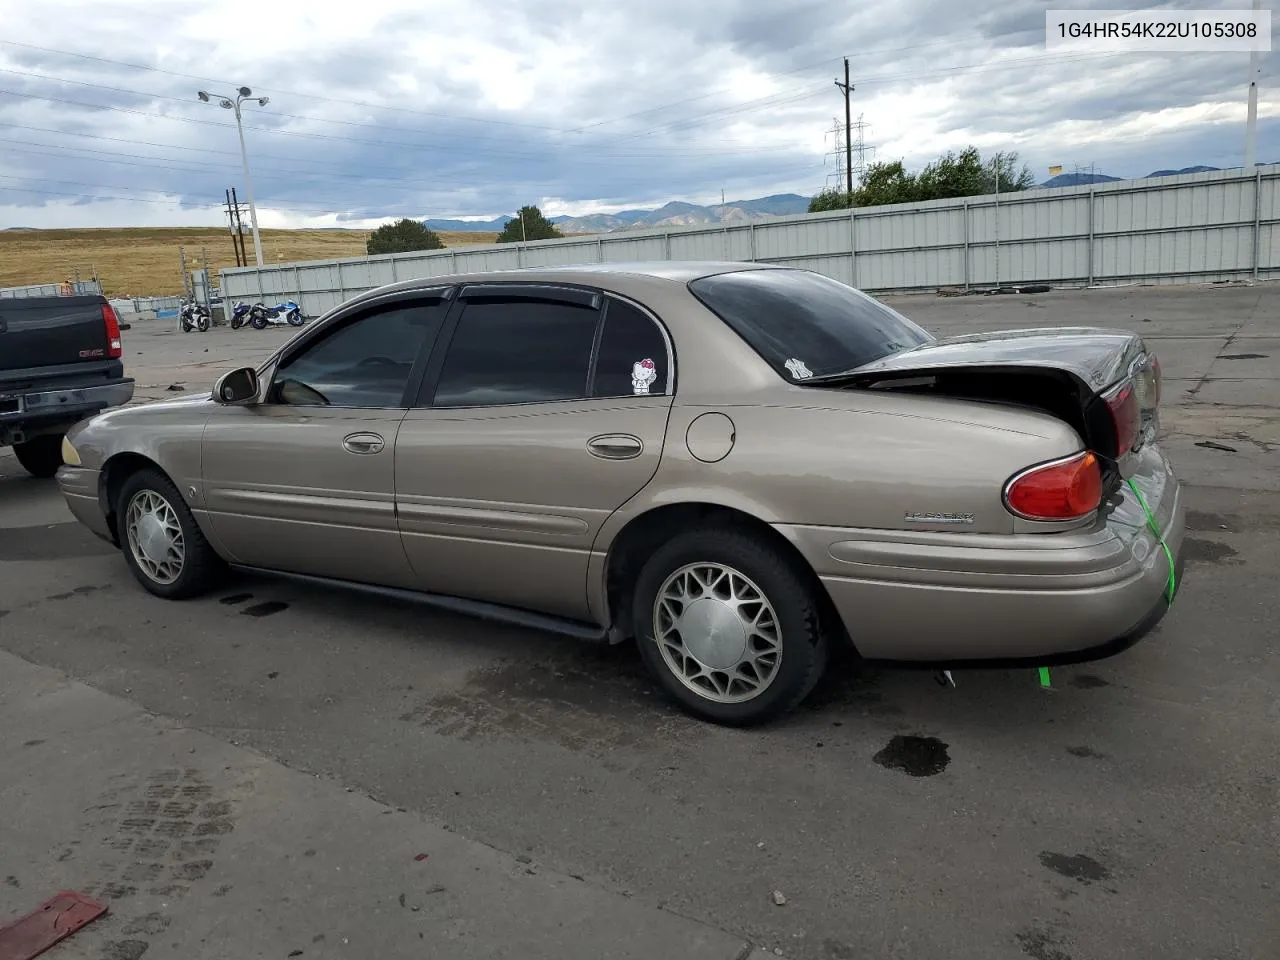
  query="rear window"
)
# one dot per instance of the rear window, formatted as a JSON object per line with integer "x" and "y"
{"x": 805, "y": 324}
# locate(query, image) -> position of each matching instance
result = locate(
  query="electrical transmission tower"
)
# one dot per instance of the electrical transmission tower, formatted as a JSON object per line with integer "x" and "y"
{"x": 852, "y": 153}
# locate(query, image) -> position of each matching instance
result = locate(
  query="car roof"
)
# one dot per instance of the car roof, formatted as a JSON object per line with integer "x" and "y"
{"x": 589, "y": 274}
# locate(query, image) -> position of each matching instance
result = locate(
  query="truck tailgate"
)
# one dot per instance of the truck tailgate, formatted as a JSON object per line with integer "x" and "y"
{"x": 46, "y": 331}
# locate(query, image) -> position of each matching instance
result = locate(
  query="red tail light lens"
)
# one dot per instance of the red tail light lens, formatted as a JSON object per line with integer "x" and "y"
{"x": 1062, "y": 490}
{"x": 1126, "y": 415}
{"x": 115, "y": 348}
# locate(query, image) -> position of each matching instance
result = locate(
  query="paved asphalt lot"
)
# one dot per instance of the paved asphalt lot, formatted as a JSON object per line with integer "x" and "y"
{"x": 1132, "y": 811}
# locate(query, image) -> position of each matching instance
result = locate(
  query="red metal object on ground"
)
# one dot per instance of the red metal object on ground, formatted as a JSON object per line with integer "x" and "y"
{"x": 53, "y": 921}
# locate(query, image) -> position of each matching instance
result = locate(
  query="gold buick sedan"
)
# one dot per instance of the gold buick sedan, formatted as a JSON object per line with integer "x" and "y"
{"x": 736, "y": 466}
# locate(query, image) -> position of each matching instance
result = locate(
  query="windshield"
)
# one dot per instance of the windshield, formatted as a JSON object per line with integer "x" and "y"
{"x": 805, "y": 324}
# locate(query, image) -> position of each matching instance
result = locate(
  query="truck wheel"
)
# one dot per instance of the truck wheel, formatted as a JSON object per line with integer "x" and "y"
{"x": 41, "y": 456}
{"x": 729, "y": 626}
{"x": 162, "y": 544}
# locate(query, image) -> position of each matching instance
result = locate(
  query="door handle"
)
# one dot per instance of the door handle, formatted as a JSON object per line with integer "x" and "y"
{"x": 615, "y": 446}
{"x": 362, "y": 443}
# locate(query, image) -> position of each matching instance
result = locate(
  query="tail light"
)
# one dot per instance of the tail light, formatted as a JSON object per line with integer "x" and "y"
{"x": 115, "y": 348}
{"x": 1134, "y": 405}
{"x": 1066, "y": 489}
{"x": 1126, "y": 416}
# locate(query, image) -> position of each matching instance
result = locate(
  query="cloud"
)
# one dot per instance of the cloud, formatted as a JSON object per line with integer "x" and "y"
{"x": 406, "y": 107}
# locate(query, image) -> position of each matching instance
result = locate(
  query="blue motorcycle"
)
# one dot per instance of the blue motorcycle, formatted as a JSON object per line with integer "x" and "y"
{"x": 287, "y": 312}
{"x": 240, "y": 315}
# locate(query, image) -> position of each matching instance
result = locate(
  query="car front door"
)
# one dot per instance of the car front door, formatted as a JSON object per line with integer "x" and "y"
{"x": 304, "y": 480}
{"x": 546, "y": 412}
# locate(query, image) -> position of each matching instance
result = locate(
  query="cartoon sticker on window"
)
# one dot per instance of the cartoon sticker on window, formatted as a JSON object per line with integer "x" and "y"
{"x": 643, "y": 374}
{"x": 798, "y": 369}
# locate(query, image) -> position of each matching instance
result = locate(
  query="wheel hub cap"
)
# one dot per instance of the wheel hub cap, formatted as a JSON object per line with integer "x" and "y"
{"x": 713, "y": 633}
{"x": 155, "y": 536}
{"x": 717, "y": 632}
{"x": 152, "y": 539}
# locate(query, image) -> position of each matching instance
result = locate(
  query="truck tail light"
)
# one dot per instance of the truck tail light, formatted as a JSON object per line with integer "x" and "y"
{"x": 115, "y": 347}
{"x": 1065, "y": 489}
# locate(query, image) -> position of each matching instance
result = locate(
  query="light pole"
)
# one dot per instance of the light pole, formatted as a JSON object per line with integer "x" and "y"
{"x": 233, "y": 104}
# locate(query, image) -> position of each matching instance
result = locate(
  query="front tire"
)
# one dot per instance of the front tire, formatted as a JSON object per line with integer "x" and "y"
{"x": 295, "y": 318}
{"x": 729, "y": 626}
{"x": 40, "y": 456}
{"x": 203, "y": 324}
{"x": 162, "y": 544}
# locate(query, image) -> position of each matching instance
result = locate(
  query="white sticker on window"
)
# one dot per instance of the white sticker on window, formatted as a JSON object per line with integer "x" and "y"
{"x": 643, "y": 374}
{"x": 798, "y": 369}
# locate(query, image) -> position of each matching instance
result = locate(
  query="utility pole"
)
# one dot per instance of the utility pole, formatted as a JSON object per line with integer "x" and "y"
{"x": 847, "y": 89}
{"x": 231, "y": 220}
{"x": 244, "y": 256}
{"x": 1251, "y": 125}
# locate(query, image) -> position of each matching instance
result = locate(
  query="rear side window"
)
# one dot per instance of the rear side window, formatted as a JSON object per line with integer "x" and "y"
{"x": 632, "y": 358}
{"x": 805, "y": 324}
{"x": 517, "y": 351}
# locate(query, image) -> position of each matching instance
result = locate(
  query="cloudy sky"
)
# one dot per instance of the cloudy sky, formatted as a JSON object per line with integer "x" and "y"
{"x": 447, "y": 108}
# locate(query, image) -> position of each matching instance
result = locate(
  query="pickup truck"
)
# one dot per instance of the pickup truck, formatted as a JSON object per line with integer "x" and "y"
{"x": 60, "y": 362}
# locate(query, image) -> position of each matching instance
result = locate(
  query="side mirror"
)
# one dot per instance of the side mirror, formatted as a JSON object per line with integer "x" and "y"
{"x": 237, "y": 388}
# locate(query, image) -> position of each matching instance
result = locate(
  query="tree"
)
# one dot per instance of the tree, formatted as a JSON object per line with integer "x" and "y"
{"x": 951, "y": 175}
{"x": 403, "y": 236}
{"x": 830, "y": 199}
{"x": 528, "y": 224}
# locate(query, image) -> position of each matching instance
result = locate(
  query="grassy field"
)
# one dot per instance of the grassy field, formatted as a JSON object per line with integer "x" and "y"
{"x": 143, "y": 262}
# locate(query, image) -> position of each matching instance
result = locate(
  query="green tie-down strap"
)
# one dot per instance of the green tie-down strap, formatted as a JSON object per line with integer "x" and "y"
{"x": 1170, "y": 589}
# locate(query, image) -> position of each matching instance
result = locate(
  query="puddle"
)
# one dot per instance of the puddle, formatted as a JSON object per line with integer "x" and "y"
{"x": 265, "y": 609}
{"x": 1087, "y": 681}
{"x": 914, "y": 756}
{"x": 1200, "y": 550}
{"x": 1087, "y": 752}
{"x": 1085, "y": 869}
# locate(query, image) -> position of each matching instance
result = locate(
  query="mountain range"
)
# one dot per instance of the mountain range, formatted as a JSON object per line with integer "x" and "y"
{"x": 678, "y": 213}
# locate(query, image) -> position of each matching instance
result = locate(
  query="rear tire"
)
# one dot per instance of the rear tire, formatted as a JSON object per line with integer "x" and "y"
{"x": 741, "y": 631}
{"x": 259, "y": 323}
{"x": 162, "y": 544}
{"x": 40, "y": 456}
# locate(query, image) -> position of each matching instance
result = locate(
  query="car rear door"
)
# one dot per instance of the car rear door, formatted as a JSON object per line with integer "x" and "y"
{"x": 544, "y": 410}
{"x": 304, "y": 481}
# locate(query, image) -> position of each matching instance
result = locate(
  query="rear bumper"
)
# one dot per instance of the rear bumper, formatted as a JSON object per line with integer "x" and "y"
{"x": 971, "y": 599}
{"x": 27, "y": 414}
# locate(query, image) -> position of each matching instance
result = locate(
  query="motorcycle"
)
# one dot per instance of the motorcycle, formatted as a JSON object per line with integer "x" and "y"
{"x": 240, "y": 315}
{"x": 195, "y": 316}
{"x": 287, "y": 312}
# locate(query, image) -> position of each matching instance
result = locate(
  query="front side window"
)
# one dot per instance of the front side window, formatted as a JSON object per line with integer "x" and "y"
{"x": 517, "y": 351}
{"x": 804, "y": 324}
{"x": 365, "y": 363}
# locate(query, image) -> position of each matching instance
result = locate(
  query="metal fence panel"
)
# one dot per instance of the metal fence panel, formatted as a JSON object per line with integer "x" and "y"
{"x": 83, "y": 288}
{"x": 1189, "y": 228}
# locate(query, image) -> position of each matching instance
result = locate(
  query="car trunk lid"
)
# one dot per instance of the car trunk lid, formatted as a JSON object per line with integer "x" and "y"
{"x": 1104, "y": 383}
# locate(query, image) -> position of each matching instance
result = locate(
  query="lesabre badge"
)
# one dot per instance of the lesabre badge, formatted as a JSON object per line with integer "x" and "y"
{"x": 643, "y": 374}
